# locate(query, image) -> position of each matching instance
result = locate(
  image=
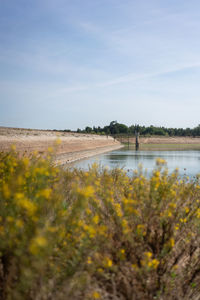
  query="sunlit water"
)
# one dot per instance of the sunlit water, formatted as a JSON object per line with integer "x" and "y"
{"x": 187, "y": 161}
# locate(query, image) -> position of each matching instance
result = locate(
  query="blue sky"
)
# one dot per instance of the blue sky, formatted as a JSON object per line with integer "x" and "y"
{"x": 73, "y": 63}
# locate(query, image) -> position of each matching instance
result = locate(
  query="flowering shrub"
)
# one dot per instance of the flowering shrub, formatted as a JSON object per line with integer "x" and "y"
{"x": 96, "y": 235}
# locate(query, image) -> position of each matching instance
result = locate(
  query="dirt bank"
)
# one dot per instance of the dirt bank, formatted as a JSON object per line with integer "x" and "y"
{"x": 170, "y": 140}
{"x": 164, "y": 140}
{"x": 70, "y": 146}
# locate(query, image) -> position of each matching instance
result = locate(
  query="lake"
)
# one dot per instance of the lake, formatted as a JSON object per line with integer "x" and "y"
{"x": 187, "y": 161}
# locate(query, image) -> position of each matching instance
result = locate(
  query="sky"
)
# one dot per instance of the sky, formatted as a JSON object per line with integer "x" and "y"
{"x": 67, "y": 64}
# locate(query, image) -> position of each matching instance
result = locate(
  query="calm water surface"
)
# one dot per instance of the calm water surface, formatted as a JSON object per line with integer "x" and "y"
{"x": 188, "y": 161}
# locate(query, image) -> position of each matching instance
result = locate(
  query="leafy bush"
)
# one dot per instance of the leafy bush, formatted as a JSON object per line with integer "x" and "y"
{"x": 96, "y": 235}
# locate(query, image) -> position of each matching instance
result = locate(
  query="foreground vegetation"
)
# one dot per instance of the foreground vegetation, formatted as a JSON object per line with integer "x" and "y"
{"x": 98, "y": 234}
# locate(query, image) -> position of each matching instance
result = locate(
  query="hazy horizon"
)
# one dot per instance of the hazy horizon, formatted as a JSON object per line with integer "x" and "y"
{"x": 94, "y": 125}
{"x": 70, "y": 64}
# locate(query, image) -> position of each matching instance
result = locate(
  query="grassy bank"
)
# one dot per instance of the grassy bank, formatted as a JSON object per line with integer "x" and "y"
{"x": 96, "y": 234}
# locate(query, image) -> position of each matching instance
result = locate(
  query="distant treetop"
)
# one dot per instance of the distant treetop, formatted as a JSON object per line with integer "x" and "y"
{"x": 118, "y": 128}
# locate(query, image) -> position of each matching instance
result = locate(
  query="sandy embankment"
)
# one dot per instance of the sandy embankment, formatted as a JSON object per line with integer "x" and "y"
{"x": 170, "y": 140}
{"x": 163, "y": 140}
{"x": 73, "y": 146}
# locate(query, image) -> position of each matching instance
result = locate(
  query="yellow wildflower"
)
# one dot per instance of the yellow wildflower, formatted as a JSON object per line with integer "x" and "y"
{"x": 13, "y": 147}
{"x": 20, "y": 180}
{"x": 100, "y": 270}
{"x": 172, "y": 205}
{"x": 96, "y": 295}
{"x": 155, "y": 263}
{"x": 46, "y": 193}
{"x": 52, "y": 229}
{"x": 88, "y": 211}
{"x": 1, "y": 230}
{"x": 198, "y": 213}
{"x": 177, "y": 226}
{"x": 160, "y": 161}
{"x": 89, "y": 260}
{"x": 118, "y": 210}
{"x": 87, "y": 191}
{"x": 156, "y": 173}
{"x": 125, "y": 226}
{"x": 19, "y": 223}
{"x": 91, "y": 231}
{"x": 50, "y": 149}
{"x": 39, "y": 242}
{"x": 171, "y": 242}
{"x": 183, "y": 220}
{"x": 187, "y": 210}
{"x": 96, "y": 219}
{"x": 173, "y": 193}
{"x": 6, "y": 191}
{"x": 141, "y": 229}
{"x": 107, "y": 262}
{"x": 26, "y": 204}
{"x": 169, "y": 214}
{"x": 58, "y": 141}
{"x": 25, "y": 161}
{"x": 148, "y": 254}
{"x": 10, "y": 219}
{"x": 134, "y": 266}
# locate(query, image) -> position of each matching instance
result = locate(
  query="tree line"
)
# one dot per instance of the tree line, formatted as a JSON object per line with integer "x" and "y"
{"x": 115, "y": 128}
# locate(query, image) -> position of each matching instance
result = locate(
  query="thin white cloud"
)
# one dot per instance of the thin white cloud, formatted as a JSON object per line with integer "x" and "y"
{"x": 58, "y": 90}
{"x": 132, "y": 77}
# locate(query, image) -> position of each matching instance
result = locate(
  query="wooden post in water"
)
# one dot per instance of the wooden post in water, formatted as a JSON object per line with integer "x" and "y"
{"x": 137, "y": 140}
{"x": 128, "y": 141}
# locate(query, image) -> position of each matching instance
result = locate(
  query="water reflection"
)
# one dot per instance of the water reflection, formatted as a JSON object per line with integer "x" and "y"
{"x": 186, "y": 160}
{"x": 117, "y": 157}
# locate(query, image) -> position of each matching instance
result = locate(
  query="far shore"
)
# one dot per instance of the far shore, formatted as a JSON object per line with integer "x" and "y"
{"x": 166, "y": 140}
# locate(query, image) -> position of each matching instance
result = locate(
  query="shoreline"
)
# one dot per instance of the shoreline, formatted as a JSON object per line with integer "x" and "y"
{"x": 69, "y": 158}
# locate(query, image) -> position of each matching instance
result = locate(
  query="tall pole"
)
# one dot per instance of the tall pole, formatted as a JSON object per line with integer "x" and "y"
{"x": 137, "y": 140}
